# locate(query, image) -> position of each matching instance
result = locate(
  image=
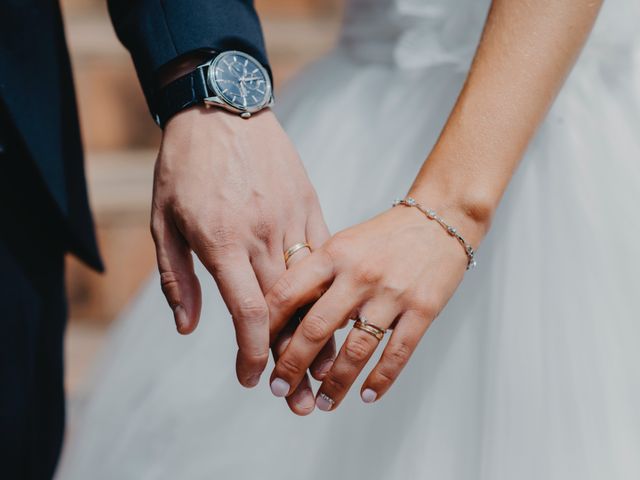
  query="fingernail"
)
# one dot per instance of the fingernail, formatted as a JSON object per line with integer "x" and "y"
{"x": 324, "y": 402}
{"x": 279, "y": 387}
{"x": 325, "y": 367}
{"x": 369, "y": 396}
{"x": 253, "y": 381}
{"x": 180, "y": 317}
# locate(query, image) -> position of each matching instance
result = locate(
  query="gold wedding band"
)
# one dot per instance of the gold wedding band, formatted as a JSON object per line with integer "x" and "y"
{"x": 364, "y": 325}
{"x": 295, "y": 249}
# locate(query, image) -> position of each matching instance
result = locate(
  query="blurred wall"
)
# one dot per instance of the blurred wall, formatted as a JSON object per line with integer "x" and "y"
{"x": 121, "y": 140}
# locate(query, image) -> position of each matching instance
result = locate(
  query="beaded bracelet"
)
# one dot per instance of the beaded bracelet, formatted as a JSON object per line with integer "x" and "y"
{"x": 431, "y": 215}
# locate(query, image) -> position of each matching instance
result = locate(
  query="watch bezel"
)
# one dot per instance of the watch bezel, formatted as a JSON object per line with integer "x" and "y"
{"x": 213, "y": 84}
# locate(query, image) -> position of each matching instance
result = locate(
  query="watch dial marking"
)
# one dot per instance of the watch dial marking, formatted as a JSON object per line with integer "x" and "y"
{"x": 240, "y": 81}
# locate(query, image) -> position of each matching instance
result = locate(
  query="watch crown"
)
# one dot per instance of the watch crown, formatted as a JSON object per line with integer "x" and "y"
{"x": 245, "y": 114}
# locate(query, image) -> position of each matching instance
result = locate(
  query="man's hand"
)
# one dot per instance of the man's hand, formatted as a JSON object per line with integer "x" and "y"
{"x": 234, "y": 192}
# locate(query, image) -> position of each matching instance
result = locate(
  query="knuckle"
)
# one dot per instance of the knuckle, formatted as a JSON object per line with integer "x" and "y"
{"x": 306, "y": 192}
{"x": 289, "y": 367}
{"x": 429, "y": 309}
{"x": 222, "y": 235}
{"x": 334, "y": 383}
{"x": 356, "y": 350}
{"x": 385, "y": 375}
{"x": 315, "y": 328}
{"x": 398, "y": 354}
{"x": 263, "y": 229}
{"x": 252, "y": 311}
{"x": 367, "y": 273}
{"x": 254, "y": 359}
{"x": 337, "y": 246}
{"x": 326, "y": 262}
{"x": 282, "y": 292}
{"x": 218, "y": 240}
{"x": 394, "y": 288}
{"x": 424, "y": 306}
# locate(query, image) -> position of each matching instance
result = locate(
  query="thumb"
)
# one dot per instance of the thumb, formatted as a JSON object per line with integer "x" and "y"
{"x": 177, "y": 277}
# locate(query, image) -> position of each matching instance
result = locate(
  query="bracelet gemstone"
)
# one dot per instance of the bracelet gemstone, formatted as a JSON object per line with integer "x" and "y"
{"x": 432, "y": 215}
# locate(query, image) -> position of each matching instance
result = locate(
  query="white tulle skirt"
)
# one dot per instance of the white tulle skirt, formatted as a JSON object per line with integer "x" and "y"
{"x": 531, "y": 372}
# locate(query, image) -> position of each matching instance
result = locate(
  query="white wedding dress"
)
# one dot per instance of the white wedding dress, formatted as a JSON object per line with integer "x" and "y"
{"x": 531, "y": 372}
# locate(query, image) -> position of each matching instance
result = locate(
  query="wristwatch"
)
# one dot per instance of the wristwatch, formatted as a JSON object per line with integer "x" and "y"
{"x": 232, "y": 80}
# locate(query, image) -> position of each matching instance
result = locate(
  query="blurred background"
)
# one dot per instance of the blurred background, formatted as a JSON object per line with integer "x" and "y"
{"x": 121, "y": 142}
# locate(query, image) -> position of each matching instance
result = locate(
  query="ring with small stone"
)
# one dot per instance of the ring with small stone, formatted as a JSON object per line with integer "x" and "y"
{"x": 363, "y": 324}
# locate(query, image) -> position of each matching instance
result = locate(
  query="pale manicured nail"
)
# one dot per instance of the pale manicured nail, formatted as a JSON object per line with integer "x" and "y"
{"x": 180, "y": 317}
{"x": 324, "y": 402}
{"x": 279, "y": 387}
{"x": 369, "y": 396}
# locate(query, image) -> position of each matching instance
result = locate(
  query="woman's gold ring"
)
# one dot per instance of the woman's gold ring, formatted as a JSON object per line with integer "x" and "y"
{"x": 362, "y": 324}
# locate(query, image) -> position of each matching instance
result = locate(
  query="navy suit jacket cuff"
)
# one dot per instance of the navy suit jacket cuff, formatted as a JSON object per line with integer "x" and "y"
{"x": 156, "y": 32}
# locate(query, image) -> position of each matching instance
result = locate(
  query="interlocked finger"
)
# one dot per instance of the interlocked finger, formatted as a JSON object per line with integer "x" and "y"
{"x": 321, "y": 364}
{"x": 324, "y": 360}
{"x": 313, "y": 333}
{"x": 303, "y": 283}
{"x": 301, "y": 401}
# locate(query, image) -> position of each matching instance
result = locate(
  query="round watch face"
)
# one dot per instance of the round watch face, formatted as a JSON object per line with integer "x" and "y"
{"x": 240, "y": 81}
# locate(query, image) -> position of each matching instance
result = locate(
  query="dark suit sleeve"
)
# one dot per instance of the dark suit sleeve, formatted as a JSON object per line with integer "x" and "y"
{"x": 157, "y": 32}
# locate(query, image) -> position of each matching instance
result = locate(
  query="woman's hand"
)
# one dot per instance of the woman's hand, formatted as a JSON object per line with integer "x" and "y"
{"x": 397, "y": 270}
